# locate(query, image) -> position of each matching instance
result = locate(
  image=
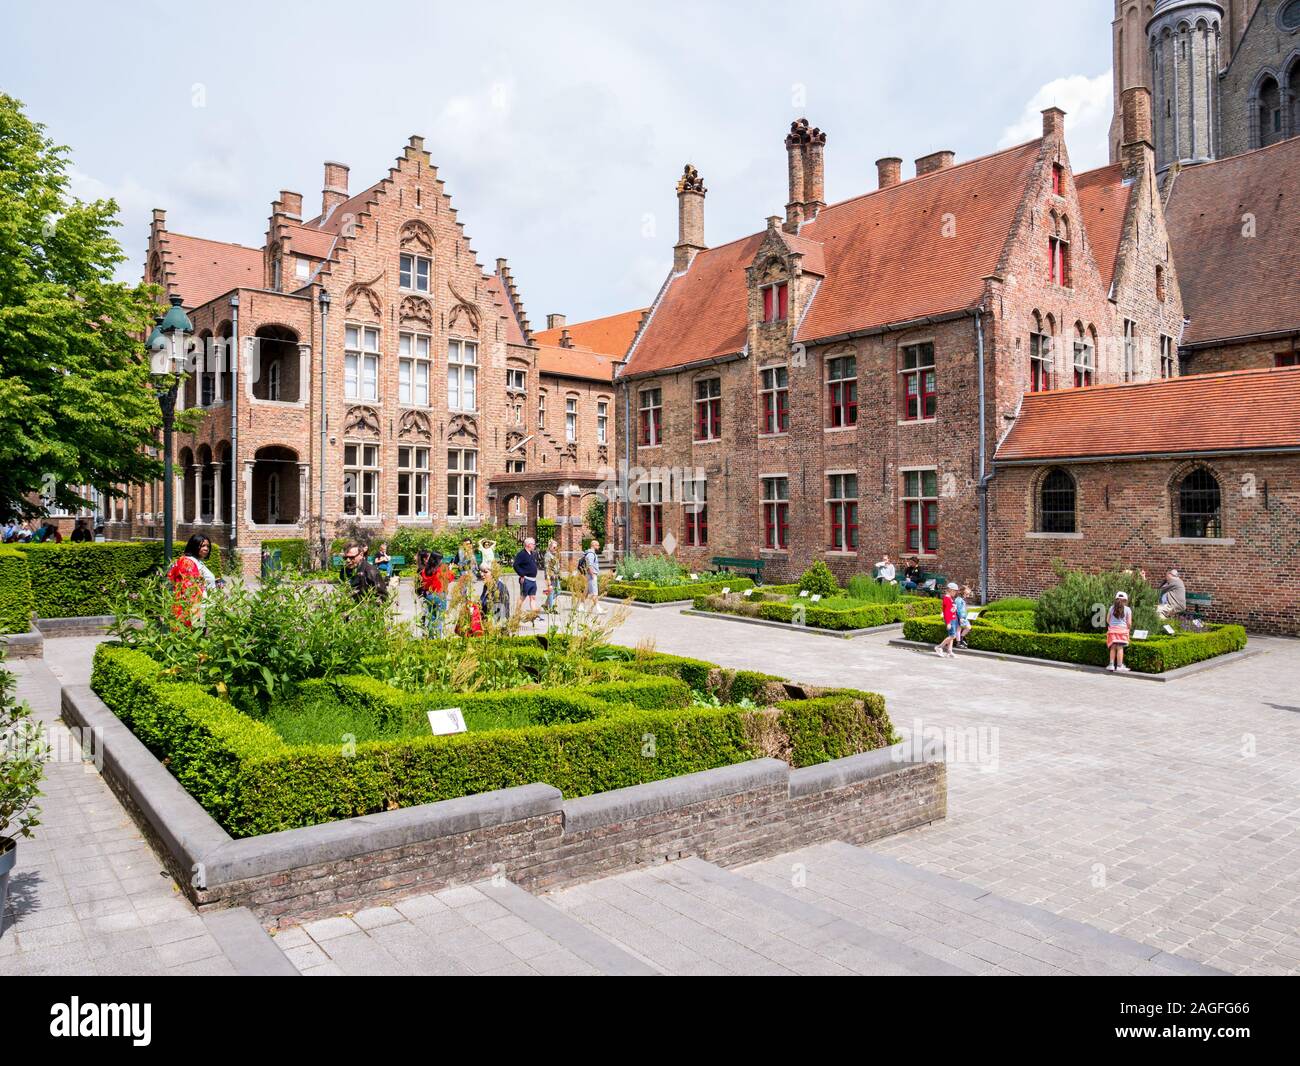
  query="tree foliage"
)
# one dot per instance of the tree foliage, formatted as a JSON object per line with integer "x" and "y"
{"x": 75, "y": 403}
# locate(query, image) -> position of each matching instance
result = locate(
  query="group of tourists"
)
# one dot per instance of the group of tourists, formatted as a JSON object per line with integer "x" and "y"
{"x": 913, "y": 576}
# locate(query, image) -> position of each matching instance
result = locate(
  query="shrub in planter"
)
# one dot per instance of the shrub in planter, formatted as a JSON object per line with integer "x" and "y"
{"x": 1079, "y": 602}
{"x": 22, "y": 766}
{"x": 16, "y": 603}
{"x": 818, "y": 580}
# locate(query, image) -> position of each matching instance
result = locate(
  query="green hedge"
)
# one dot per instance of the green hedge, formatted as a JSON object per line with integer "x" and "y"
{"x": 644, "y": 592}
{"x": 79, "y": 580}
{"x": 252, "y": 781}
{"x": 818, "y": 617}
{"x": 294, "y": 552}
{"x": 1155, "y": 655}
{"x": 16, "y": 601}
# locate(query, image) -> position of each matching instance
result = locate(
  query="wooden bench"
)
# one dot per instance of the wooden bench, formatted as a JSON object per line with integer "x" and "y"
{"x": 754, "y": 566}
{"x": 1197, "y": 604}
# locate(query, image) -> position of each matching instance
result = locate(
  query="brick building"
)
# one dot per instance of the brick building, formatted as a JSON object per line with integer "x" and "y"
{"x": 361, "y": 367}
{"x": 1198, "y": 473}
{"x": 814, "y": 390}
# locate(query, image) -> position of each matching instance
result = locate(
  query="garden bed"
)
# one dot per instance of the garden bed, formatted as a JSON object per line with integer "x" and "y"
{"x": 358, "y": 744}
{"x": 650, "y": 593}
{"x": 1007, "y": 628}
{"x": 837, "y": 614}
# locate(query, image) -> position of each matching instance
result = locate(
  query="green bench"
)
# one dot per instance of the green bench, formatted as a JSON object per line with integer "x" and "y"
{"x": 754, "y": 566}
{"x": 395, "y": 563}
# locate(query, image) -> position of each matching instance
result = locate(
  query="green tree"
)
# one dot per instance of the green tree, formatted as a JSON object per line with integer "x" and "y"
{"x": 75, "y": 403}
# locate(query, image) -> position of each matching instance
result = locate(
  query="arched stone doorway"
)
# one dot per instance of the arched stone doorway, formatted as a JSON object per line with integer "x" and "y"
{"x": 275, "y": 488}
{"x": 277, "y": 365}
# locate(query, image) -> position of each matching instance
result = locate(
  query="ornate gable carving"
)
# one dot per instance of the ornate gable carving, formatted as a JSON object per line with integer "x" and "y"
{"x": 464, "y": 314}
{"x": 513, "y": 439}
{"x": 416, "y": 237}
{"x": 361, "y": 420}
{"x": 416, "y": 311}
{"x": 361, "y": 295}
{"x": 462, "y": 430}
{"x": 414, "y": 424}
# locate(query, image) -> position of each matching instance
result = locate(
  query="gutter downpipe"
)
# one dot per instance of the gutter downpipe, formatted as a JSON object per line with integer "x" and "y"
{"x": 623, "y": 473}
{"x": 986, "y": 475}
{"x": 232, "y": 358}
{"x": 324, "y": 428}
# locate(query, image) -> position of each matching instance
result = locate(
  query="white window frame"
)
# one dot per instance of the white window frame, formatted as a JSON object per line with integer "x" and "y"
{"x": 602, "y": 421}
{"x": 571, "y": 419}
{"x": 412, "y": 481}
{"x": 462, "y": 484}
{"x": 361, "y": 351}
{"x": 410, "y": 275}
{"x": 364, "y": 470}
{"x": 462, "y": 375}
{"x": 414, "y": 368}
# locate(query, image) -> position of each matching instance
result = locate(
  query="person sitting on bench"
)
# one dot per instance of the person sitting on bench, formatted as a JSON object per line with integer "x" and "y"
{"x": 911, "y": 575}
{"x": 1173, "y": 596}
{"x": 885, "y": 570}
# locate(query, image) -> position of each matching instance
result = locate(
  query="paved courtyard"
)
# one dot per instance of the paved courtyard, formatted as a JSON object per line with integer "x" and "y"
{"x": 1166, "y": 813}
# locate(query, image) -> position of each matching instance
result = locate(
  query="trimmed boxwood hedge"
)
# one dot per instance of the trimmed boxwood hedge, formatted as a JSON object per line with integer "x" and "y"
{"x": 16, "y": 602}
{"x": 644, "y": 592}
{"x": 80, "y": 580}
{"x": 818, "y": 617}
{"x": 245, "y": 774}
{"x": 1155, "y": 655}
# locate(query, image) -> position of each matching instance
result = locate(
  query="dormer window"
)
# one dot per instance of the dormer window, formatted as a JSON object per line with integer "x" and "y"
{"x": 776, "y": 302}
{"x": 414, "y": 271}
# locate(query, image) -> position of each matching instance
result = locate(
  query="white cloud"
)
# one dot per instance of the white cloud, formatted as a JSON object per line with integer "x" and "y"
{"x": 1087, "y": 105}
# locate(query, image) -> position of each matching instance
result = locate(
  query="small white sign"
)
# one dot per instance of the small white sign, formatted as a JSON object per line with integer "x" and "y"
{"x": 803, "y": 593}
{"x": 695, "y": 577}
{"x": 748, "y": 592}
{"x": 1169, "y": 630}
{"x": 446, "y": 721}
{"x": 1140, "y": 634}
{"x": 972, "y": 615}
{"x": 726, "y": 589}
{"x": 816, "y": 596}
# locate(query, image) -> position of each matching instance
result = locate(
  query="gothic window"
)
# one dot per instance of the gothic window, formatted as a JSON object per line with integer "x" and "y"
{"x": 1199, "y": 505}
{"x": 1269, "y": 112}
{"x": 1040, "y": 358}
{"x": 776, "y": 302}
{"x": 1057, "y": 498}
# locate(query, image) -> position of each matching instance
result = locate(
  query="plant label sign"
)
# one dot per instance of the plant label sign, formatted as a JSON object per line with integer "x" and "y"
{"x": 1169, "y": 630}
{"x": 1140, "y": 634}
{"x": 748, "y": 592}
{"x": 447, "y": 721}
{"x": 726, "y": 590}
{"x": 803, "y": 593}
{"x": 816, "y": 596}
{"x": 695, "y": 577}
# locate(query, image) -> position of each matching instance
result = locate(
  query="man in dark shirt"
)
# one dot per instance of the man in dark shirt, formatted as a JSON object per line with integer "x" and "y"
{"x": 526, "y": 567}
{"x": 81, "y": 534}
{"x": 363, "y": 576}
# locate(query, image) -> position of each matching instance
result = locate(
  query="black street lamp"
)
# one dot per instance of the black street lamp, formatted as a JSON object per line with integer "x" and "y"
{"x": 167, "y": 357}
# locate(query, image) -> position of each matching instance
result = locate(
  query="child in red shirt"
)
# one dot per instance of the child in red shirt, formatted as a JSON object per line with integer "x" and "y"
{"x": 944, "y": 649}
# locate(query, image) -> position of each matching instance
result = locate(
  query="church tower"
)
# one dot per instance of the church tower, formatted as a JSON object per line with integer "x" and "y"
{"x": 1183, "y": 41}
{"x": 1131, "y": 65}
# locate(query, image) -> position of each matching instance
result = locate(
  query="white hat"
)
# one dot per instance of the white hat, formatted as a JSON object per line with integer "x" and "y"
{"x": 1121, "y": 595}
{"x": 953, "y": 585}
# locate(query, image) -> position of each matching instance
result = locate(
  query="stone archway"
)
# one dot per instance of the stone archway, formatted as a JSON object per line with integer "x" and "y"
{"x": 275, "y": 489}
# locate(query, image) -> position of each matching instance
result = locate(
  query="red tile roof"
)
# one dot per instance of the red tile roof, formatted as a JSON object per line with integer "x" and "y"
{"x": 1235, "y": 285}
{"x": 202, "y": 270}
{"x": 354, "y": 205}
{"x": 306, "y": 240}
{"x": 886, "y": 260}
{"x": 611, "y": 335}
{"x": 1103, "y": 199}
{"x": 497, "y": 291}
{"x": 574, "y": 363}
{"x": 1243, "y": 410}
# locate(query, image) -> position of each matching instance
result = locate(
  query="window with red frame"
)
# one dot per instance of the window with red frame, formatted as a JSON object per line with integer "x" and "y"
{"x": 776, "y": 513}
{"x": 651, "y": 417}
{"x": 921, "y": 511}
{"x": 1059, "y": 250}
{"x": 842, "y": 384}
{"x": 920, "y": 392}
{"x": 1085, "y": 366}
{"x": 1282, "y": 359}
{"x": 1160, "y": 284}
{"x": 695, "y": 512}
{"x": 776, "y": 302}
{"x": 843, "y": 503}
{"x": 651, "y": 508}
{"x": 1040, "y": 362}
{"x": 774, "y": 399}
{"x": 1058, "y": 179}
{"x": 708, "y": 409}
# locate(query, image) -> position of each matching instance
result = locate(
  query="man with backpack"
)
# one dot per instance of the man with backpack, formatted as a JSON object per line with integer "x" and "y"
{"x": 589, "y": 568}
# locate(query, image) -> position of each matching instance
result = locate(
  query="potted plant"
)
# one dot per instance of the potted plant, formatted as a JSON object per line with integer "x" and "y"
{"x": 22, "y": 765}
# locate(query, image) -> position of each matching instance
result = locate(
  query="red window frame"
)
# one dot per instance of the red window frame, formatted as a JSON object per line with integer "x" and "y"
{"x": 921, "y": 512}
{"x": 1058, "y": 267}
{"x": 1040, "y": 362}
{"x": 776, "y": 400}
{"x": 843, "y": 503}
{"x": 650, "y": 418}
{"x": 776, "y": 516}
{"x": 776, "y": 302}
{"x": 920, "y": 384}
{"x": 843, "y": 393}
{"x": 1058, "y": 179}
{"x": 1284, "y": 359}
{"x": 1084, "y": 373}
{"x": 708, "y": 409}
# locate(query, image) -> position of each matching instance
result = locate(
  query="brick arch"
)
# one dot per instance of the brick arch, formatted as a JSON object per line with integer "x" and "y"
{"x": 1173, "y": 494}
{"x": 1035, "y": 501}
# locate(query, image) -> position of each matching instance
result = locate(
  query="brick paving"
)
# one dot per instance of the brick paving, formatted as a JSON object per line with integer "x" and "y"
{"x": 1080, "y": 806}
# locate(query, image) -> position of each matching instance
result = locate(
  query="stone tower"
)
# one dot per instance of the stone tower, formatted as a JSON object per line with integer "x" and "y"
{"x": 1131, "y": 61}
{"x": 1183, "y": 40}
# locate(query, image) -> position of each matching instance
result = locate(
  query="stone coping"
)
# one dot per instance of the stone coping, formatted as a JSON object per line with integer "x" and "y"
{"x": 843, "y": 634}
{"x": 29, "y": 645}
{"x": 218, "y": 870}
{"x": 90, "y": 625}
{"x": 1084, "y": 668}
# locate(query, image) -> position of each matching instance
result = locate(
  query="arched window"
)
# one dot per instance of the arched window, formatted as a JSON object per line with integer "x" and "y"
{"x": 1057, "y": 497}
{"x": 1200, "y": 505}
{"x": 273, "y": 380}
{"x": 1040, "y": 357}
{"x": 273, "y": 497}
{"x": 1269, "y": 112}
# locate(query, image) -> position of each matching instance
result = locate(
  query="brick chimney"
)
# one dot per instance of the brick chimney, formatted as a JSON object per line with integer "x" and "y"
{"x": 1054, "y": 122}
{"x": 1136, "y": 145}
{"x": 565, "y": 340}
{"x": 336, "y": 187}
{"x": 690, "y": 218}
{"x": 928, "y": 164}
{"x": 805, "y": 147}
{"x": 290, "y": 204}
{"x": 555, "y": 321}
{"x": 889, "y": 171}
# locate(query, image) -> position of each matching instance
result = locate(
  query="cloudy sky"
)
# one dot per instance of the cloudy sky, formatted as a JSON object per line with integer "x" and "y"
{"x": 560, "y": 129}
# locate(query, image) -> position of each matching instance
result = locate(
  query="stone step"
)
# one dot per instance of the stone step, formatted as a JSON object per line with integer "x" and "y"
{"x": 960, "y": 923}
{"x": 482, "y": 929}
{"x": 691, "y": 917}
